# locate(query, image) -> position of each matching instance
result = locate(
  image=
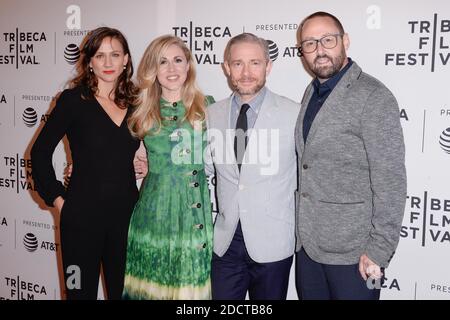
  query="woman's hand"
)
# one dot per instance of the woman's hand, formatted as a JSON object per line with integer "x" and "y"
{"x": 140, "y": 162}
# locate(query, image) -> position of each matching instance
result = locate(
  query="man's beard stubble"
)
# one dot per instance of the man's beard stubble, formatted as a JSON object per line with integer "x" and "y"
{"x": 326, "y": 72}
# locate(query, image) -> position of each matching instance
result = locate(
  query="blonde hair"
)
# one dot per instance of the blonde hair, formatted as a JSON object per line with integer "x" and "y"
{"x": 246, "y": 37}
{"x": 147, "y": 114}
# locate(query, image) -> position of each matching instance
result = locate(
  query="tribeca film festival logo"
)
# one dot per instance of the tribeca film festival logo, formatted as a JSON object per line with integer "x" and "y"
{"x": 3, "y": 222}
{"x": 3, "y": 225}
{"x": 433, "y": 45}
{"x": 31, "y": 243}
{"x": 382, "y": 283}
{"x": 19, "y": 174}
{"x": 20, "y": 47}
{"x": 73, "y": 23}
{"x": 2, "y": 101}
{"x": 201, "y": 41}
{"x": 444, "y": 140}
{"x": 427, "y": 220}
{"x": 20, "y": 289}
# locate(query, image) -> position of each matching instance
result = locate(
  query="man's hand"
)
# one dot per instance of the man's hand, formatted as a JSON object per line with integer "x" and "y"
{"x": 368, "y": 268}
{"x": 140, "y": 162}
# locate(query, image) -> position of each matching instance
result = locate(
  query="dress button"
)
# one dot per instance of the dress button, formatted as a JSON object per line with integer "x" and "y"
{"x": 188, "y": 151}
{"x": 197, "y": 205}
{"x": 204, "y": 246}
{"x": 200, "y": 226}
{"x": 196, "y": 184}
{"x": 194, "y": 172}
{"x": 175, "y": 118}
{"x": 305, "y": 166}
{"x": 174, "y": 104}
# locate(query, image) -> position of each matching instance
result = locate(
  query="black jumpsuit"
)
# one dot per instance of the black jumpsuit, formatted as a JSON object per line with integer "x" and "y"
{"x": 101, "y": 193}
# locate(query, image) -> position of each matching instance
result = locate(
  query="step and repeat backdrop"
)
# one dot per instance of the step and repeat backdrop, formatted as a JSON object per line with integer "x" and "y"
{"x": 404, "y": 43}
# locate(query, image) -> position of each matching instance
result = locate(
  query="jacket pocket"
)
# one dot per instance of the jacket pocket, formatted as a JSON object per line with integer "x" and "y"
{"x": 342, "y": 227}
{"x": 342, "y": 203}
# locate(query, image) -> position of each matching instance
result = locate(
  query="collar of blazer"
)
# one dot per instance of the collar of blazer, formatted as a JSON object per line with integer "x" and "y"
{"x": 221, "y": 122}
{"x": 346, "y": 82}
{"x": 265, "y": 110}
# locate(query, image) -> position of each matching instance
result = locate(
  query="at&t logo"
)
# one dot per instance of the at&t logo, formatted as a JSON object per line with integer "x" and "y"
{"x": 29, "y": 117}
{"x": 71, "y": 53}
{"x": 273, "y": 50}
{"x": 444, "y": 140}
{"x": 30, "y": 242}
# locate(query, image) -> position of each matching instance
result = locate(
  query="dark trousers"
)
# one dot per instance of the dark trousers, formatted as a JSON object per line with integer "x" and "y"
{"x": 94, "y": 236}
{"x": 236, "y": 273}
{"x": 317, "y": 281}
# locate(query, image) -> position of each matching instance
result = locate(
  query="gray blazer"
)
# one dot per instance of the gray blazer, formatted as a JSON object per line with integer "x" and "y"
{"x": 352, "y": 177}
{"x": 262, "y": 194}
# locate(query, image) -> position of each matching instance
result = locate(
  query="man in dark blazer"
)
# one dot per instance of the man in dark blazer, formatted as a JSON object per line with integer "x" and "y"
{"x": 351, "y": 170}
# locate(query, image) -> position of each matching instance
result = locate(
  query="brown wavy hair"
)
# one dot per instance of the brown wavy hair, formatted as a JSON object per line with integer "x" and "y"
{"x": 125, "y": 92}
{"x": 147, "y": 114}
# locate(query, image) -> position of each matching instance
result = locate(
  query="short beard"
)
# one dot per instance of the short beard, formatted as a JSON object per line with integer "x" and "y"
{"x": 326, "y": 72}
{"x": 250, "y": 91}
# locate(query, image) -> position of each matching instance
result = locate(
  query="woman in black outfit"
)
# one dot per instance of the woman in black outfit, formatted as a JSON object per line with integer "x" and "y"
{"x": 96, "y": 208}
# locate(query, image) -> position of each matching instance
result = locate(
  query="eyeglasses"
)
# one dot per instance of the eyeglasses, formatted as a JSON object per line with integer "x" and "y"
{"x": 328, "y": 42}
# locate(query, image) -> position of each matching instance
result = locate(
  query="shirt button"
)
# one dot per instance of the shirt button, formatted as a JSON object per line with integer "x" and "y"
{"x": 174, "y": 104}
{"x": 305, "y": 166}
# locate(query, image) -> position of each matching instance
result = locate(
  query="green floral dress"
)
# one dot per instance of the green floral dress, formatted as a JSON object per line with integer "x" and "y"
{"x": 170, "y": 234}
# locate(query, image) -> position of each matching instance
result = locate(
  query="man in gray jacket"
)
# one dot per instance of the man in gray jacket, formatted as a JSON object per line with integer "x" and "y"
{"x": 252, "y": 147}
{"x": 351, "y": 171}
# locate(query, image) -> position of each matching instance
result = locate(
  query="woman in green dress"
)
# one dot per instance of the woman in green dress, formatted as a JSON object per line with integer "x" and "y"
{"x": 170, "y": 235}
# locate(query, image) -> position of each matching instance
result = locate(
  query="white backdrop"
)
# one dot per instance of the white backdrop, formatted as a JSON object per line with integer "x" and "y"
{"x": 403, "y": 43}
